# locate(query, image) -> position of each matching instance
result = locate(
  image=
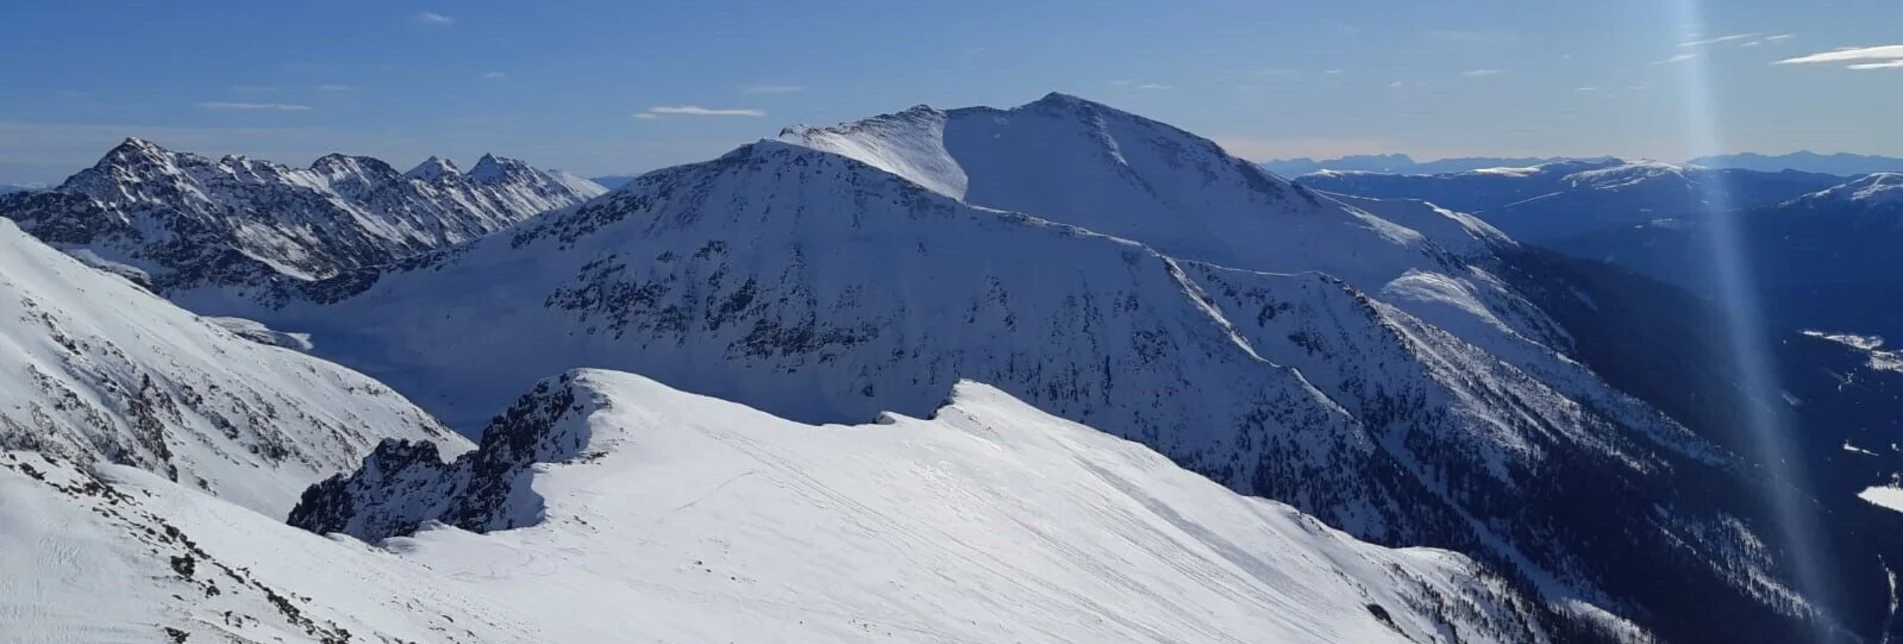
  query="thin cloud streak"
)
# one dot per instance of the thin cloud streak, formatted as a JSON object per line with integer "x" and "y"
{"x": 1719, "y": 40}
{"x": 227, "y": 105}
{"x": 1479, "y": 73}
{"x": 433, "y": 18}
{"x": 1885, "y": 52}
{"x": 696, "y": 110}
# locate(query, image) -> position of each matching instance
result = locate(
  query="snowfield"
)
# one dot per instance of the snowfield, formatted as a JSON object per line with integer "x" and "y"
{"x": 662, "y": 516}
{"x": 95, "y": 369}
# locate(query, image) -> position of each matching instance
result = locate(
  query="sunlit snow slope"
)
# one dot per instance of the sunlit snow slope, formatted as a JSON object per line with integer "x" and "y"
{"x": 644, "y": 514}
{"x": 95, "y": 369}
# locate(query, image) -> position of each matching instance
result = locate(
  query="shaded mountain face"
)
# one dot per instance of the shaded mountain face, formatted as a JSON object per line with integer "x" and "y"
{"x": 1836, "y": 404}
{"x": 1825, "y": 261}
{"x": 94, "y": 370}
{"x": 1364, "y": 361}
{"x": 1542, "y": 203}
{"x": 178, "y": 221}
{"x": 991, "y": 521}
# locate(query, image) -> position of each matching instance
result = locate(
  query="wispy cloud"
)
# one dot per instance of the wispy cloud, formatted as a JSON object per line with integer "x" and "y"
{"x": 646, "y": 116}
{"x": 1779, "y": 37}
{"x": 1719, "y": 40}
{"x": 432, "y": 18}
{"x": 1884, "y": 57}
{"x": 696, "y": 110}
{"x": 227, "y": 105}
{"x": 332, "y": 87}
{"x": 494, "y": 75}
{"x": 1675, "y": 59}
{"x": 1333, "y": 72}
{"x": 1585, "y": 89}
{"x": 1479, "y": 73}
{"x": 771, "y": 89}
{"x": 1128, "y": 83}
{"x": 1153, "y": 86}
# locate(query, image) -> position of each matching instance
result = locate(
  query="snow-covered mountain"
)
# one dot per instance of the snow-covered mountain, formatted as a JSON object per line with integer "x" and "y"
{"x": 1399, "y": 164}
{"x": 1541, "y": 203}
{"x": 1361, "y": 361}
{"x": 1875, "y": 194}
{"x": 179, "y": 221}
{"x": 637, "y": 512}
{"x": 96, "y": 370}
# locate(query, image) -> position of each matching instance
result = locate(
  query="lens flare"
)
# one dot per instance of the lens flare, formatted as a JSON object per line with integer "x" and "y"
{"x": 1746, "y": 340}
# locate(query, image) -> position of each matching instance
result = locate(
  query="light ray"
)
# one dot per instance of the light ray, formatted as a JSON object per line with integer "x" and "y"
{"x": 1748, "y": 343}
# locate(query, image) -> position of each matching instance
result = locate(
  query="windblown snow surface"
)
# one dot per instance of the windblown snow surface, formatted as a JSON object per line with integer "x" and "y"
{"x": 643, "y": 514}
{"x": 94, "y": 369}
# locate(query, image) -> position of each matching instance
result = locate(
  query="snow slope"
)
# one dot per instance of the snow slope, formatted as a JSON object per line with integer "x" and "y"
{"x": 1073, "y": 161}
{"x": 94, "y": 369}
{"x": 638, "y": 513}
{"x": 187, "y": 221}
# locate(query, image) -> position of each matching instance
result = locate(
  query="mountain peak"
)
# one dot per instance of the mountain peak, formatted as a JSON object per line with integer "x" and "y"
{"x": 135, "y": 149}
{"x": 491, "y": 167}
{"x": 1060, "y": 99}
{"x": 432, "y": 169}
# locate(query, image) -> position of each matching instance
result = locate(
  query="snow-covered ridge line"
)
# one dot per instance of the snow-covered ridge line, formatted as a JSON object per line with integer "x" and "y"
{"x": 235, "y": 224}
{"x": 96, "y": 370}
{"x": 979, "y": 466}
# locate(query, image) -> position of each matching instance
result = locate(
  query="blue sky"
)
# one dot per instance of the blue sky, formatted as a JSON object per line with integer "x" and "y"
{"x": 564, "y": 83}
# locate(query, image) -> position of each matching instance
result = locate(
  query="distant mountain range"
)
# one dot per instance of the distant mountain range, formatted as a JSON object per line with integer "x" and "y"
{"x": 177, "y": 221}
{"x": 1825, "y": 261}
{"x": 1806, "y": 161}
{"x": 1838, "y": 164}
{"x": 612, "y": 181}
{"x": 971, "y": 374}
{"x": 1566, "y": 198}
{"x": 1398, "y": 164}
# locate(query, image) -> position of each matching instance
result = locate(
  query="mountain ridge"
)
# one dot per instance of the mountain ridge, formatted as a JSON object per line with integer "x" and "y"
{"x": 1357, "y": 398}
{"x": 183, "y": 222}
{"x": 98, "y": 371}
